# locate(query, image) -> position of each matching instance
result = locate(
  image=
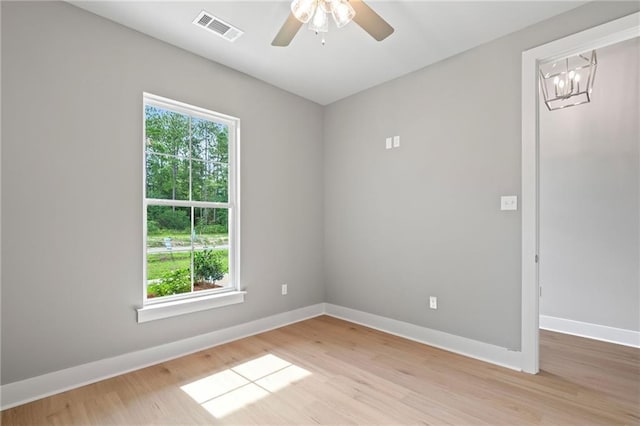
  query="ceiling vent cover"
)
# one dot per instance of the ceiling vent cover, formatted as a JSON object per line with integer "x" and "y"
{"x": 218, "y": 26}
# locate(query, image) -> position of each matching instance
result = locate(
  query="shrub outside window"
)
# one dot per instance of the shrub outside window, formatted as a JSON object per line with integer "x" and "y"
{"x": 190, "y": 201}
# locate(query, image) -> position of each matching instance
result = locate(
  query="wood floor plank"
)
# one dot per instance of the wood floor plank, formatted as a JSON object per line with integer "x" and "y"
{"x": 328, "y": 371}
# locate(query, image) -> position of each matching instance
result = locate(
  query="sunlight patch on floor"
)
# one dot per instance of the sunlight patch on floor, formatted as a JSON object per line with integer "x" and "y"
{"x": 232, "y": 389}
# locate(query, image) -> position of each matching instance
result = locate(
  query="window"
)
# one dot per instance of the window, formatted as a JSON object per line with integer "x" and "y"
{"x": 190, "y": 206}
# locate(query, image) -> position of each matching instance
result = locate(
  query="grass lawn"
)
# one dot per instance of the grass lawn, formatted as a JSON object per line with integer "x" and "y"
{"x": 182, "y": 239}
{"x": 159, "y": 264}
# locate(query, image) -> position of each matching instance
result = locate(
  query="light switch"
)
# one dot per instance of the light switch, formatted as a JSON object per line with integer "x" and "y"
{"x": 509, "y": 202}
{"x": 388, "y": 143}
{"x": 396, "y": 141}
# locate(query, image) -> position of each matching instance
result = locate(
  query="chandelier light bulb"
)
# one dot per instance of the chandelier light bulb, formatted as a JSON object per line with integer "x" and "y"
{"x": 303, "y": 9}
{"x": 568, "y": 82}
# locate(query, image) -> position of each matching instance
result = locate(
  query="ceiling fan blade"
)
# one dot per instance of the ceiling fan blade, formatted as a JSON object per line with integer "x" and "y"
{"x": 370, "y": 21}
{"x": 287, "y": 32}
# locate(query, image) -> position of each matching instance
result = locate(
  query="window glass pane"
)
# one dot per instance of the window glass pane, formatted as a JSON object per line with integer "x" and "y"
{"x": 168, "y": 250}
{"x": 210, "y": 181}
{"x": 211, "y": 244}
{"x": 186, "y": 160}
{"x": 167, "y": 132}
{"x": 209, "y": 141}
{"x": 167, "y": 177}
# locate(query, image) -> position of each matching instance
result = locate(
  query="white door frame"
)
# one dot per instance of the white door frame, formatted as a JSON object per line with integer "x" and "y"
{"x": 598, "y": 37}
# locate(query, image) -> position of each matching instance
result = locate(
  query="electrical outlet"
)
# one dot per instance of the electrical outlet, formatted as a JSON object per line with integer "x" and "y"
{"x": 433, "y": 302}
{"x": 284, "y": 289}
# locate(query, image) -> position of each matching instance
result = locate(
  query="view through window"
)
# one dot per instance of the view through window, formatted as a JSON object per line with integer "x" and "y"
{"x": 189, "y": 199}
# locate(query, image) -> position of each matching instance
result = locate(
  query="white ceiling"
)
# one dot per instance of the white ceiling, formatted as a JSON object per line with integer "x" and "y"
{"x": 425, "y": 32}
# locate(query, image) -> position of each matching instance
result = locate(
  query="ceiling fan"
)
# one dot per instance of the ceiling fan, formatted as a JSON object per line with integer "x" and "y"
{"x": 316, "y": 12}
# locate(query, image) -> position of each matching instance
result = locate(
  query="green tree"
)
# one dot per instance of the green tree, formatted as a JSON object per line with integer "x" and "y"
{"x": 167, "y": 154}
{"x": 180, "y": 147}
{"x": 209, "y": 144}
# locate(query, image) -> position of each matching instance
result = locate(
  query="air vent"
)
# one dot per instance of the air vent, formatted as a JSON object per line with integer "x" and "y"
{"x": 218, "y": 26}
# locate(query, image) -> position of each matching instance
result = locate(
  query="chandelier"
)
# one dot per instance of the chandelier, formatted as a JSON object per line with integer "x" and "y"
{"x": 316, "y": 13}
{"x": 569, "y": 81}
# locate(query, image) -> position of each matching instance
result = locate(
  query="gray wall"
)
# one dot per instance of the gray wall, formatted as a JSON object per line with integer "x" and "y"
{"x": 424, "y": 219}
{"x": 589, "y": 210}
{"x": 72, "y": 193}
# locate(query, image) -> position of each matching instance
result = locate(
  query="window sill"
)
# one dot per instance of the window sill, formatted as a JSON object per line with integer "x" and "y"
{"x": 185, "y": 306}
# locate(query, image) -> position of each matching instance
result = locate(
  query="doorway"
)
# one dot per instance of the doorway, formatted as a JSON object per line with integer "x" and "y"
{"x": 595, "y": 38}
{"x": 589, "y": 188}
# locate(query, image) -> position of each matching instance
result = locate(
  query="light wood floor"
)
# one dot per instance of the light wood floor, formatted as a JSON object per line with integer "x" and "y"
{"x": 327, "y": 371}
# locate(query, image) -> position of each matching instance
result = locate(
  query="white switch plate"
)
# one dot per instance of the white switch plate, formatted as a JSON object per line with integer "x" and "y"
{"x": 284, "y": 289}
{"x": 509, "y": 202}
{"x": 396, "y": 141}
{"x": 388, "y": 143}
{"x": 433, "y": 302}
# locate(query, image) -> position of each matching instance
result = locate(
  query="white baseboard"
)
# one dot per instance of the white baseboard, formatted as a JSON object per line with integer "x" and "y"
{"x": 620, "y": 336}
{"x": 21, "y": 392}
{"x": 449, "y": 342}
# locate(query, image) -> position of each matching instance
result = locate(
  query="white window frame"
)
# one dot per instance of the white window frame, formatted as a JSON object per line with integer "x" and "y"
{"x": 167, "y": 306}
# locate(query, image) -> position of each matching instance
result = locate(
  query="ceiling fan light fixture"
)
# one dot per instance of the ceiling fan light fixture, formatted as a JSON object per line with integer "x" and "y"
{"x": 303, "y": 9}
{"x": 342, "y": 12}
{"x": 320, "y": 21}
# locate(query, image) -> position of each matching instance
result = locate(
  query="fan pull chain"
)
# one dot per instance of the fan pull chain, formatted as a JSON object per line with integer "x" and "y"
{"x": 322, "y": 41}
